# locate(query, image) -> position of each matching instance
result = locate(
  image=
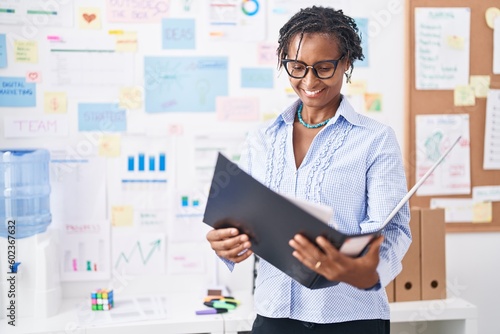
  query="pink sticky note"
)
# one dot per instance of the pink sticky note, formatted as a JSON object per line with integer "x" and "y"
{"x": 34, "y": 76}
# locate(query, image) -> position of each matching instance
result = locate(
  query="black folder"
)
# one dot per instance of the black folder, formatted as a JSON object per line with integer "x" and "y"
{"x": 270, "y": 220}
{"x": 236, "y": 199}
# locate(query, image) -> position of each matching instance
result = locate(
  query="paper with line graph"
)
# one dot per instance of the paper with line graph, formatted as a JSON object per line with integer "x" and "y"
{"x": 138, "y": 253}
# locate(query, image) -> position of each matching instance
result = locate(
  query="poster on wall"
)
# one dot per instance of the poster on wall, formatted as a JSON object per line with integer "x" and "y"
{"x": 434, "y": 135}
{"x": 237, "y": 20}
{"x": 184, "y": 83}
{"x": 442, "y": 47}
{"x": 30, "y": 14}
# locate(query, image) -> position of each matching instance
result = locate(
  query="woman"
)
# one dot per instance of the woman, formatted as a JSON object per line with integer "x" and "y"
{"x": 319, "y": 149}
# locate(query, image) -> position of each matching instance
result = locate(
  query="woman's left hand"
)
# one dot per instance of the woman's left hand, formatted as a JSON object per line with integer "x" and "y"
{"x": 327, "y": 261}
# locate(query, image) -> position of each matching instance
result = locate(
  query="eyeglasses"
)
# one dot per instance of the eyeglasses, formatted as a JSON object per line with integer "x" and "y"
{"x": 324, "y": 69}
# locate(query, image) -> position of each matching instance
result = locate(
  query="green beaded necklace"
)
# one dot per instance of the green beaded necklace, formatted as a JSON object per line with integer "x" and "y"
{"x": 307, "y": 125}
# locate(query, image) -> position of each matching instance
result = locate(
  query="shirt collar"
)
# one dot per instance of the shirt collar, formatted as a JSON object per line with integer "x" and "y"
{"x": 345, "y": 110}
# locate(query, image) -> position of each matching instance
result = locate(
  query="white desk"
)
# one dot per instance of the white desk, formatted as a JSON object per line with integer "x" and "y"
{"x": 450, "y": 316}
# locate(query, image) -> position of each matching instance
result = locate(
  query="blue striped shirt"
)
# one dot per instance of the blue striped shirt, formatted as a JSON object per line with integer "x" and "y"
{"x": 354, "y": 165}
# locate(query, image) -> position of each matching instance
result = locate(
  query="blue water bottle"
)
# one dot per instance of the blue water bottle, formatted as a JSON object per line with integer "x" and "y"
{"x": 24, "y": 192}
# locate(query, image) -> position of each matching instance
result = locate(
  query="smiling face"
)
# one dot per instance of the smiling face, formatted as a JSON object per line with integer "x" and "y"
{"x": 319, "y": 96}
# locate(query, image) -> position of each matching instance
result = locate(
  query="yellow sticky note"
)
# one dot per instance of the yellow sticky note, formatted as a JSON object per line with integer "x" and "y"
{"x": 482, "y": 212}
{"x": 356, "y": 87}
{"x": 455, "y": 42}
{"x": 55, "y": 103}
{"x": 480, "y": 84}
{"x": 130, "y": 98}
{"x": 110, "y": 145}
{"x": 126, "y": 42}
{"x": 373, "y": 102}
{"x": 464, "y": 96}
{"x": 26, "y": 51}
{"x": 89, "y": 18}
{"x": 490, "y": 15}
{"x": 122, "y": 215}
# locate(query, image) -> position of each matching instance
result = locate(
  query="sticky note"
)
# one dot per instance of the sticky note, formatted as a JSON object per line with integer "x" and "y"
{"x": 237, "y": 108}
{"x": 455, "y": 42}
{"x": 102, "y": 117}
{"x": 463, "y": 96}
{"x": 109, "y": 145}
{"x": 257, "y": 78}
{"x": 480, "y": 84}
{"x": 373, "y": 102}
{"x": 266, "y": 53}
{"x": 122, "y": 215}
{"x": 130, "y": 98}
{"x": 3, "y": 51}
{"x": 33, "y": 76}
{"x": 89, "y": 18}
{"x": 356, "y": 87}
{"x": 482, "y": 212}
{"x": 55, "y": 102}
{"x": 178, "y": 33}
{"x": 126, "y": 42}
{"x": 490, "y": 15}
{"x": 16, "y": 92}
{"x": 26, "y": 51}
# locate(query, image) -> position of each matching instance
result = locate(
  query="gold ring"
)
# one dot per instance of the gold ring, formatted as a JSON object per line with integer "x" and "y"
{"x": 318, "y": 264}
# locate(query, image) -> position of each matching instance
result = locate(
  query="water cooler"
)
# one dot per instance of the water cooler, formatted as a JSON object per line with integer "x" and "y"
{"x": 25, "y": 241}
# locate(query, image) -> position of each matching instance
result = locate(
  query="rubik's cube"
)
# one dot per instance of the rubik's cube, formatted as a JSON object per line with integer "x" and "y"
{"x": 102, "y": 300}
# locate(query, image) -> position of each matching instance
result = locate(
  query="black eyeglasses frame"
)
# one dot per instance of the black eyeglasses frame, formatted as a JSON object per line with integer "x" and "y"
{"x": 335, "y": 63}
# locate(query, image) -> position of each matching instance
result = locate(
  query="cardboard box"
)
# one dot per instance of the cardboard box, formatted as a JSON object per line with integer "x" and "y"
{"x": 432, "y": 243}
{"x": 389, "y": 290}
{"x": 407, "y": 284}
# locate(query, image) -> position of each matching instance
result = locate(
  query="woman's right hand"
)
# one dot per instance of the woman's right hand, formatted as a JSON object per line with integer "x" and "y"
{"x": 229, "y": 244}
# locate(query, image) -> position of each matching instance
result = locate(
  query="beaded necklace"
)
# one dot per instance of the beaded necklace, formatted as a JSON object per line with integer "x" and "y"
{"x": 307, "y": 125}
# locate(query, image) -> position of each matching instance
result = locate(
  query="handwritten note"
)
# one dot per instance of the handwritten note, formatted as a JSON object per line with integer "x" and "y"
{"x": 492, "y": 131}
{"x": 130, "y": 98}
{"x": 26, "y": 51}
{"x": 486, "y": 194}
{"x": 55, "y": 102}
{"x": 15, "y": 92}
{"x": 496, "y": 46}
{"x": 109, "y": 145}
{"x": 237, "y": 108}
{"x": 126, "y": 42}
{"x": 24, "y": 127}
{"x": 480, "y": 84}
{"x": 103, "y": 117}
{"x": 122, "y": 215}
{"x": 442, "y": 43}
{"x": 463, "y": 95}
{"x": 356, "y": 87}
{"x": 3, "y": 51}
{"x": 482, "y": 212}
{"x": 257, "y": 78}
{"x": 137, "y": 11}
{"x": 434, "y": 135}
{"x": 89, "y": 18}
{"x": 178, "y": 34}
{"x": 266, "y": 53}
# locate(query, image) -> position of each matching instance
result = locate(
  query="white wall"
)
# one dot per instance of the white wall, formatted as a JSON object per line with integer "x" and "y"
{"x": 472, "y": 258}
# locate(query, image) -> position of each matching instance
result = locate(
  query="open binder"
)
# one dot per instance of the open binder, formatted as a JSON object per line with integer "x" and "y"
{"x": 270, "y": 220}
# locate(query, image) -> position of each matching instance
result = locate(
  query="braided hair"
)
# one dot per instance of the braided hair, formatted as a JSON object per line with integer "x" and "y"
{"x": 317, "y": 19}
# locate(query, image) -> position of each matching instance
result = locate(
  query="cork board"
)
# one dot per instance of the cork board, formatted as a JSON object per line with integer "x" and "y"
{"x": 442, "y": 102}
